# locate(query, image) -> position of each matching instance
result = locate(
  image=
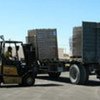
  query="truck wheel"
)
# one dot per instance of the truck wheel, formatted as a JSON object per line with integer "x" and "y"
{"x": 78, "y": 74}
{"x": 29, "y": 81}
{"x": 54, "y": 74}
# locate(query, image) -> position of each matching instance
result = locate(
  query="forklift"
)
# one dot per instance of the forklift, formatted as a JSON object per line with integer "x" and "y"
{"x": 18, "y": 70}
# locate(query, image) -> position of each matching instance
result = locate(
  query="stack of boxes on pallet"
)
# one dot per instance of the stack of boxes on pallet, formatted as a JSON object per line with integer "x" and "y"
{"x": 76, "y": 42}
{"x": 45, "y": 43}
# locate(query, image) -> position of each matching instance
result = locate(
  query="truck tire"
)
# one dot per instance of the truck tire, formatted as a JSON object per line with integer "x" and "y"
{"x": 78, "y": 74}
{"x": 54, "y": 74}
{"x": 28, "y": 80}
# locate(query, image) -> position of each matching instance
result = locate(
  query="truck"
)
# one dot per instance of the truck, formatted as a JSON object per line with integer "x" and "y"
{"x": 16, "y": 70}
{"x": 40, "y": 54}
{"x": 85, "y": 59}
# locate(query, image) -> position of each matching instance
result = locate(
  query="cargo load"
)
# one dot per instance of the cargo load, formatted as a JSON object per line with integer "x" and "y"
{"x": 45, "y": 43}
{"x": 86, "y": 42}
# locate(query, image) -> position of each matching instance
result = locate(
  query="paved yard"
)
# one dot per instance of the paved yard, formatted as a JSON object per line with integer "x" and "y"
{"x": 47, "y": 89}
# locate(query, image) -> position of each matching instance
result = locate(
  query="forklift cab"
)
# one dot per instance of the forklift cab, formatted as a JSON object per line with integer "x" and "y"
{"x": 15, "y": 70}
{"x": 12, "y": 53}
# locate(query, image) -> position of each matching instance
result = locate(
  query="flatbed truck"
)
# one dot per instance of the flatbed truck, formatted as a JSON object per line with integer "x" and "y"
{"x": 79, "y": 67}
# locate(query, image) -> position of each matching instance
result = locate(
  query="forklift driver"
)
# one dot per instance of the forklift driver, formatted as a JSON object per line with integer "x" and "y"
{"x": 8, "y": 54}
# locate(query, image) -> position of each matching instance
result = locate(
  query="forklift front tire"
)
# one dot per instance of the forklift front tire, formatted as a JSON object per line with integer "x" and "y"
{"x": 29, "y": 81}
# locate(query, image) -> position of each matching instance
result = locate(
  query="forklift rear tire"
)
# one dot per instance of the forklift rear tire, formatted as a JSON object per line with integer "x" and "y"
{"x": 54, "y": 74}
{"x": 29, "y": 81}
{"x": 78, "y": 74}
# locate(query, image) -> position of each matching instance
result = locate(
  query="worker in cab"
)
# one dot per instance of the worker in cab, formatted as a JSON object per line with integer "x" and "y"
{"x": 8, "y": 53}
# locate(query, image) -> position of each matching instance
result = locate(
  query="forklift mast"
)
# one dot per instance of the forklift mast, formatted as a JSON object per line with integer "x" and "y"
{"x": 2, "y": 45}
{"x": 29, "y": 53}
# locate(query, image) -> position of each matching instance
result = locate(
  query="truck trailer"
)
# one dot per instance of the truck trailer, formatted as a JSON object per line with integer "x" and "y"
{"x": 85, "y": 59}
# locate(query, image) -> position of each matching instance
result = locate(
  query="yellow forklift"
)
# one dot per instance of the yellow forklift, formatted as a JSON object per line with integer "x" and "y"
{"x": 19, "y": 69}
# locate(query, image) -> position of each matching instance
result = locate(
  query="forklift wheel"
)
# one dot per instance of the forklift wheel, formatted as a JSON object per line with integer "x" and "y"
{"x": 29, "y": 81}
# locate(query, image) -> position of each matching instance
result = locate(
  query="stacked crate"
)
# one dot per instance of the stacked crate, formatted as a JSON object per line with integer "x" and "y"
{"x": 45, "y": 43}
{"x": 77, "y": 42}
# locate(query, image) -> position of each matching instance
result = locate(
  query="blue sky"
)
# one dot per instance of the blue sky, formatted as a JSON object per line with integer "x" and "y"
{"x": 18, "y": 16}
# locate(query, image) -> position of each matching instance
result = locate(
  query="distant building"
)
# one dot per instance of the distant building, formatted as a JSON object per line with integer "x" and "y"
{"x": 62, "y": 55}
{"x": 45, "y": 43}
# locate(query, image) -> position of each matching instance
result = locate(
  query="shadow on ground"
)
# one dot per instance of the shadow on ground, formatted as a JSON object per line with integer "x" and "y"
{"x": 47, "y": 85}
{"x": 10, "y": 86}
{"x": 67, "y": 80}
{"x": 36, "y": 85}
